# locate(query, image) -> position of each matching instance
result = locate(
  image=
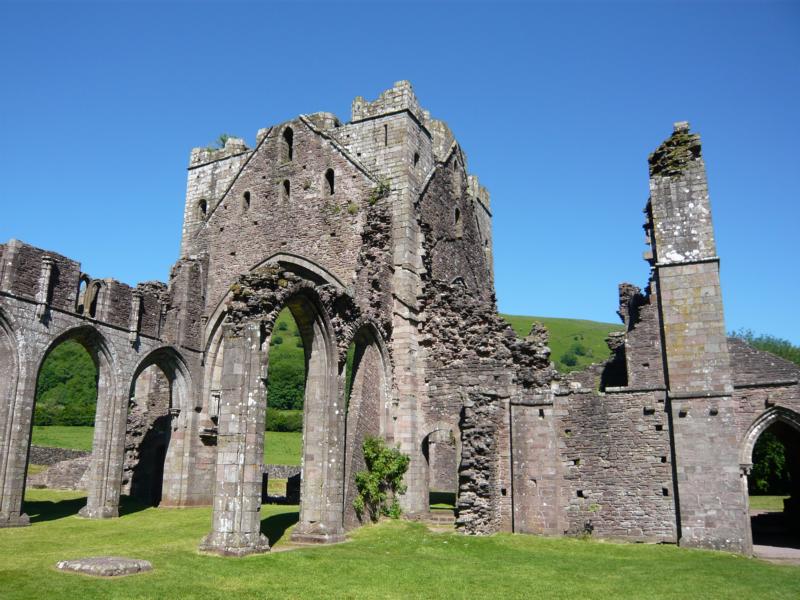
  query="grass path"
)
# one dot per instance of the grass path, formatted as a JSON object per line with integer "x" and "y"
{"x": 391, "y": 560}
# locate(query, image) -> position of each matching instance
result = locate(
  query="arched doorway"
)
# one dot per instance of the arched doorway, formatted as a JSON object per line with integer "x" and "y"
{"x": 158, "y": 434}
{"x": 105, "y": 470}
{"x": 366, "y": 394}
{"x": 771, "y": 459}
{"x": 440, "y": 449}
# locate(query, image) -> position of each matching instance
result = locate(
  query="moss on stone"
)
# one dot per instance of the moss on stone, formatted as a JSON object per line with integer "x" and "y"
{"x": 675, "y": 154}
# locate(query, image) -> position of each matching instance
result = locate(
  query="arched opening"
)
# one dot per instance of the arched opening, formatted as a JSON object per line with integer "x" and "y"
{"x": 773, "y": 480}
{"x": 83, "y": 285}
{"x": 246, "y": 201}
{"x": 441, "y": 450}
{"x": 158, "y": 417}
{"x": 202, "y": 208}
{"x": 238, "y": 488}
{"x": 329, "y": 182}
{"x": 323, "y": 425}
{"x": 283, "y": 440}
{"x": 366, "y": 404}
{"x": 286, "y": 189}
{"x": 288, "y": 144}
{"x": 458, "y": 224}
{"x": 147, "y": 436}
{"x": 93, "y": 298}
{"x": 74, "y": 405}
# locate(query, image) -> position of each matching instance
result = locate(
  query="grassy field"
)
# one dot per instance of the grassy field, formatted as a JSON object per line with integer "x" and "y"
{"x": 565, "y": 334}
{"x": 283, "y": 447}
{"x": 771, "y": 503}
{"x": 280, "y": 448}
{"x": 390, "y": 560}
{"x": 63, "y": 436}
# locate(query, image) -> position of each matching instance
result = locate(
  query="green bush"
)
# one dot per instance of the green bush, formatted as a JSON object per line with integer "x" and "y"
{"x": 379, "y": 486}
{"x": 282, "y": 326}
{"x": 277, "y": 340}
{"x": 284, "y": 420}
{"x": 569, "y": 359}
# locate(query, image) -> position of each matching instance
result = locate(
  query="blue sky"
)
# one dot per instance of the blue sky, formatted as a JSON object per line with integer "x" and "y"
{"x": 557, "y": 106}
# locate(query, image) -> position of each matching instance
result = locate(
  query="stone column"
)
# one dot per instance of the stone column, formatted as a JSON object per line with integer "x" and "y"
{"x": 322, "y": 497}
{"x": 15, "y": 428}
{"x": 108, "y": 452}
{"x": 236, "y": 526}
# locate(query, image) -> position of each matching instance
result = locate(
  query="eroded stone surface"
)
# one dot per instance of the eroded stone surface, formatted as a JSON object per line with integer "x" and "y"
{"x": 105, "y": 566}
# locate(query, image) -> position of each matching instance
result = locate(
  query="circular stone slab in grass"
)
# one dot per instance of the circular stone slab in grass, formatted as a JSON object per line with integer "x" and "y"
{"x": 105, "y": 566}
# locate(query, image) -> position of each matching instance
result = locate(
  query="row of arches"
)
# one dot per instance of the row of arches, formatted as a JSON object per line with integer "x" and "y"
{"x": 156, "y": 470}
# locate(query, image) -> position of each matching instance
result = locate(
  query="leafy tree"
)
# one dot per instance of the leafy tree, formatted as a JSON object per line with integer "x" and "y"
{"x": 66, "y": 390}
{"x": 770, "y": 343}
{"x": 770, "y": 473}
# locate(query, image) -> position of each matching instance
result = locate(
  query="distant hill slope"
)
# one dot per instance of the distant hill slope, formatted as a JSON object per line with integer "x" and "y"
{"x": 575, "y": 343}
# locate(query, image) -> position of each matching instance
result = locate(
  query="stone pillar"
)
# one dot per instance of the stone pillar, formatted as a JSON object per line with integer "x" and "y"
{"x": 43, "y": 289}
{"x": 322, "y": 496}
{"x": 236, "y": 526}
{"x": 135, "y": 317}
{"x": 108, "y": 451}
{"x": 15, "y": 424}
{"x": 710, "y": 501}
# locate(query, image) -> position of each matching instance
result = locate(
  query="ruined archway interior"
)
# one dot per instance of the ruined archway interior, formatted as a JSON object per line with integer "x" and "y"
{"x": 156, "y": 468}
{"x": 148, "y": 435}
{"x": 775, "y": 521}
{"x": 366, "y": 394}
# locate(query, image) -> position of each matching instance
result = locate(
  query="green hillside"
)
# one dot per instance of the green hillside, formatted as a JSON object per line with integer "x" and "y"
{"x": 575, "y": 343}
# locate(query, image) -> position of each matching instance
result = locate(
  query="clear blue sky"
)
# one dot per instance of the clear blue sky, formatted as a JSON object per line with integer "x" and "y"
{"x": 556, "y": 105}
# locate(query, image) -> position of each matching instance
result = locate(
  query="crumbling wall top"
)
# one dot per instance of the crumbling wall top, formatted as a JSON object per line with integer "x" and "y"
{"x": 233, "y": 146}
{"x": 398, "y": 98}
{"x": 676, "y": 153}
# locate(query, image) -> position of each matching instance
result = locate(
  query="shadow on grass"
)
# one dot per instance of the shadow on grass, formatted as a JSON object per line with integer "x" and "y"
{"x": 275, "y": 526}
{"x": 775, "y": 529}
{"x": 40, "y": 511}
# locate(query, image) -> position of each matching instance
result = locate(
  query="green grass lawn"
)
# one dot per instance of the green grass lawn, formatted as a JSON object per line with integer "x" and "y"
{"x": 283, "y": 447}
{"x": 63, "y": 436}
{"x": 771, "y": 503}
{"x": 280, "y": 447}
{"x": 390, "y": 560}
{"x": 564, "y": 333}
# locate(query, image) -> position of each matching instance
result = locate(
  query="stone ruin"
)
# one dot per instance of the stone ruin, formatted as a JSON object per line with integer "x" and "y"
{"x": 373, "y": 233}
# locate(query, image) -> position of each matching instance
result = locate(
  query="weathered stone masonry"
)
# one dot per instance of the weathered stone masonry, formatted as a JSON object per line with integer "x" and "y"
{"x": 373, "y": 233}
